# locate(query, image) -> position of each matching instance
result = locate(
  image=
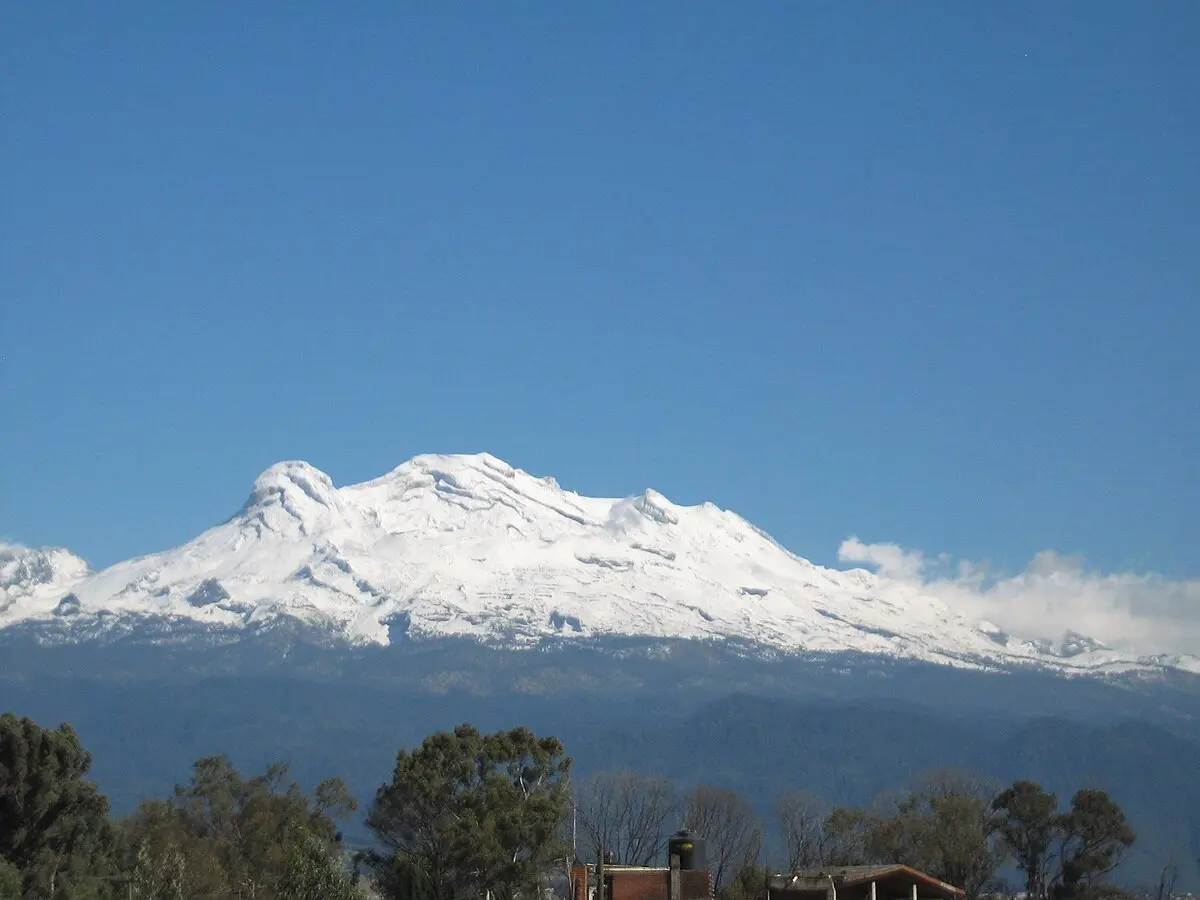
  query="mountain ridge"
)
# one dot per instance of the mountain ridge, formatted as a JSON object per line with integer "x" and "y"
{"x": 469, "y": 546}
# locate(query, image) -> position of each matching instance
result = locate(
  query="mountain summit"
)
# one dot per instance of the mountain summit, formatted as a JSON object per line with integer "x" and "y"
{"x": 468, "y": 546}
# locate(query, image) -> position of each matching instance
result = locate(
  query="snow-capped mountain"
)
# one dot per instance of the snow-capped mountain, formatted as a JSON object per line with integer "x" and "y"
{"x": 469, "y": 546}
{"x": 24, "y": 571}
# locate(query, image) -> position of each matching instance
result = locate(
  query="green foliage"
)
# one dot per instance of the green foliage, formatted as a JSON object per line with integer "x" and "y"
{"x": 847, "y": 835}
{"x": 1094, "y": 839}
{"x": 313, "y": 873}
{"x": 53, "y": 823}
{"x": 961, "y": 830}
{"x": 10, "y": 881}
{"x": 749, "y": 884}
{"x": 225, "y": 833}
{"x": 944, "y": 827}
{"x": 468, "y": 813}
{"x": 160, "y": 875}
{"x": 1088, "y": 842}
{"x": 1028, "y": 823}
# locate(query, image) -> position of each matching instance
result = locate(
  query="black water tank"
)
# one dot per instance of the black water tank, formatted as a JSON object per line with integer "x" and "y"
{"x": 689, "y": 849}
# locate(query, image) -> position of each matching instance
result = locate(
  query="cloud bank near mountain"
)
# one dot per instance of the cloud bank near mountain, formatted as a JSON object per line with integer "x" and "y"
{"x": 1132, "y": 611}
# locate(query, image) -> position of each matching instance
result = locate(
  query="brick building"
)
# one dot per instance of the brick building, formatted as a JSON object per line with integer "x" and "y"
{"x": 641, "y": 883}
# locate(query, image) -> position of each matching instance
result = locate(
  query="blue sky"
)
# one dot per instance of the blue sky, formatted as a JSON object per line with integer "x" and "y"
{"x": 923, "y": 273}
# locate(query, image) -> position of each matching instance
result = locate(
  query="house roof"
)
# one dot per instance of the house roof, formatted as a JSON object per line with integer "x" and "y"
{"x": 851, "y": 875}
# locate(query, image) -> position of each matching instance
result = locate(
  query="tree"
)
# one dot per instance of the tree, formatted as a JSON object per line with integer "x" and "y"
{"x": 1028, "y": 825}
{"x": 944, "y": 826}
{"x": 313, "y": 873}
{"x": 801, "y": 821}
{"x": 164, "y": 856}
{"x": 1094, "y": 839}
{"x": 748, "y": 884}
{"x": 223, "y": 833}
{"x": 847, "y": 832}
{"x": 158, "y": 875}
{"x": 895, "y": 830}
{"x": 468, "y": 813}
{"x": 731, "y": 828}
{"x": 10, "y": 881}
{"x": 53, "y": 822}
{"x": 1166, "y": 882}
{"x": 626, "y": 814}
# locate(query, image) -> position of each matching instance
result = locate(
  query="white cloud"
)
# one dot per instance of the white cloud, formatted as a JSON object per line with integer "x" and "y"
{"x": 1143, "y": 613}
{"x": 891, "y": 560}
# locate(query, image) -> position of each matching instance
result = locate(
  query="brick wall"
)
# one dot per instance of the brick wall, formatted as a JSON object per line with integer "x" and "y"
{"x": 643, "y": 884}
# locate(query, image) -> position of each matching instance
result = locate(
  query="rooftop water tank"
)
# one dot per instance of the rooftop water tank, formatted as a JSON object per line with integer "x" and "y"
{"x": 689, "y": 849}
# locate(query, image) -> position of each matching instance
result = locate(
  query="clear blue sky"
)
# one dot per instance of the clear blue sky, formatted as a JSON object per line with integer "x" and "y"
{"x": 920, "y": 272}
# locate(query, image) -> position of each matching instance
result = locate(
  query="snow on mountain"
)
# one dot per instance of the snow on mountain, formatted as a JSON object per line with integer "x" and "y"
{"x": 25, "y": 571}
{"x": 469, "y": 546}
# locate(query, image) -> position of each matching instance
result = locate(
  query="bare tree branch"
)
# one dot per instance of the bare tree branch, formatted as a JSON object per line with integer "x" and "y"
{"x": 801, "y": 820}
{"x": 626, "y": 814}
{"x": 729, "y": 826}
